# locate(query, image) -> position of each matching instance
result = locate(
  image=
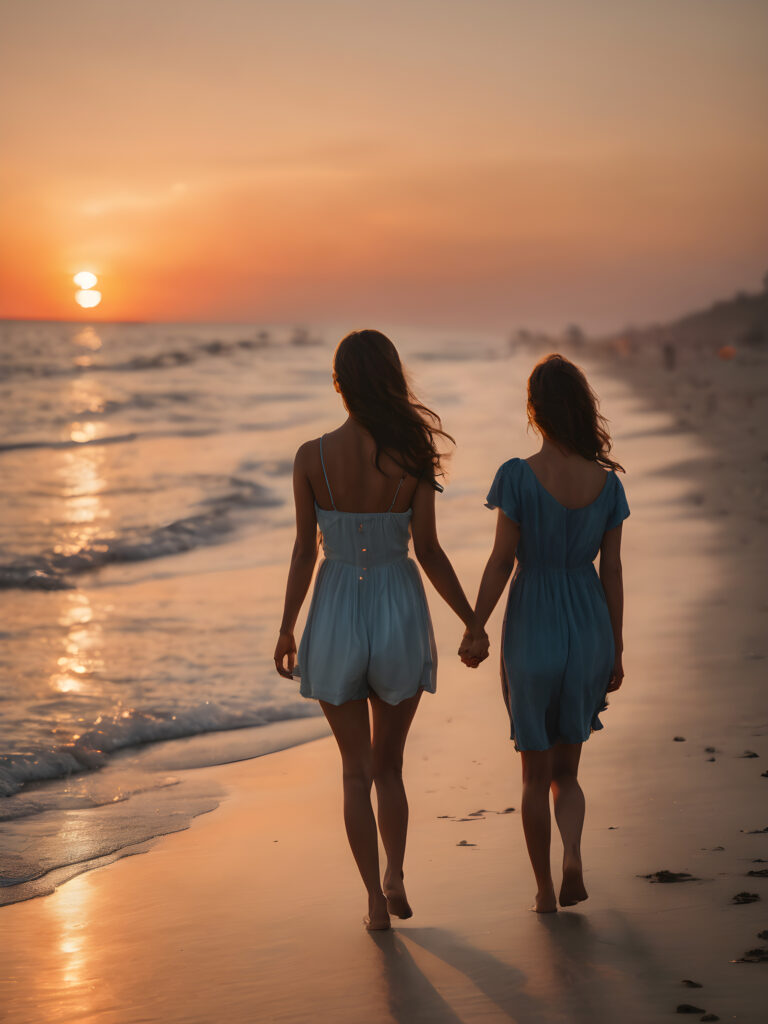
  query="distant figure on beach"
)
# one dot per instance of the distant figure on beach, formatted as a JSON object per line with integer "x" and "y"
{"x": 368, "y": 651}
{"x": 562, "y": 635}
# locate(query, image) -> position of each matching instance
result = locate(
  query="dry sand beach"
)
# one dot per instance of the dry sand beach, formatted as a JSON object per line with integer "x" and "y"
{"x": 254, "y": 913}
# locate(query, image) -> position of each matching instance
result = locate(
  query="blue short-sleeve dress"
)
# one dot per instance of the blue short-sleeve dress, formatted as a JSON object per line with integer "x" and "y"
{"x": 558, "y": 647}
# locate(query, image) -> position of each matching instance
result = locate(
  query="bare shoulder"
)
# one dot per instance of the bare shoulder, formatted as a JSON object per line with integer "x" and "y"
{"x": 591, "y": 471}
{"x": 423, "y": 491}
{"x": 305, "y": 454}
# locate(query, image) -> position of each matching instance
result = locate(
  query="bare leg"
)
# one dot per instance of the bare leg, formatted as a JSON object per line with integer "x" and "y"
{"x": 390, "y": 729}
{"x": 537, "y": 778}
{"x": 351, "y": 727}
{"x": 569, "y": 815}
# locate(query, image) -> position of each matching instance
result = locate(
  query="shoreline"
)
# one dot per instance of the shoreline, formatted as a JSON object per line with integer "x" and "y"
{"x": 253, "y": 913}
{"x": 150, "y": 803}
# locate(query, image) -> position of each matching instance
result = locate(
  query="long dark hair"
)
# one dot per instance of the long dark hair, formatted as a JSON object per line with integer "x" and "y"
{"x": 375, "y": 389}
{"x": 564, "y": 408}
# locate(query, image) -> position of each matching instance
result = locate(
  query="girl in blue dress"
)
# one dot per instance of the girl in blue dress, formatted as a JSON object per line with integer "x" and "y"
{"x": 367, "y": 652}
{"x": 562, "y": 636}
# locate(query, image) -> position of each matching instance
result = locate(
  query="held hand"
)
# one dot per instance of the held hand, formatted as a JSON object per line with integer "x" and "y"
{"x": 474, "y": 647}
{"x": 617, "y": 675}
{"x": 285, "y": 655}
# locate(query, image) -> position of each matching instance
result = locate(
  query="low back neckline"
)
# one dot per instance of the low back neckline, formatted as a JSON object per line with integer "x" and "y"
{"x": 568, "y": 508}
{"x": 333, "y": 508}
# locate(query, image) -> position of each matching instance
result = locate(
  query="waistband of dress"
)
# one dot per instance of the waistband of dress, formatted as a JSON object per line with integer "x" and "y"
{"x": 578, "y": 570}
{"x": 371, "y": 563}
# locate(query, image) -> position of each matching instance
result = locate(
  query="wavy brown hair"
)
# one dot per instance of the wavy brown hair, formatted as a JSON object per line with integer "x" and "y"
{"x": 564, "y": 408}
{"x": 376, "y": 392}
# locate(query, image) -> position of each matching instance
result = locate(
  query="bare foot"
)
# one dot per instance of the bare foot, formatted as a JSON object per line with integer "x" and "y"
{"x": 377, "y": 918}
{"x": 398, "y": 906}
{"x": 397, "y": 901}
{"x": 572, "y": 890}
{"x": 545, "y": 902}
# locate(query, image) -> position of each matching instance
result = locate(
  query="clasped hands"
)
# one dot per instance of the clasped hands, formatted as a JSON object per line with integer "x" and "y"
{"x": 474, "y": 646}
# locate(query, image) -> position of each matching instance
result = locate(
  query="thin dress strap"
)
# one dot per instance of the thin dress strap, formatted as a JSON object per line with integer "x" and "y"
{"x": 322, "y": 463}
{"x": 396, "y": 494}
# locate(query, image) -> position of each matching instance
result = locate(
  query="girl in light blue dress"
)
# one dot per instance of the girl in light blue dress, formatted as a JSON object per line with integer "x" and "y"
{"x": 368, "y": 651}
{"x": 562, "y": 636}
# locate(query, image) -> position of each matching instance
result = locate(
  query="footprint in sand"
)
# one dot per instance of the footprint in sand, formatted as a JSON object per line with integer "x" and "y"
{"x": 758, "y": 873}
{"x": 688, "y": 1008}
{"x": 670, "y": 876}
{"x": 465, "y": 843}
{"x": 476, "y": 815}
{"x": 753, "y": 956}
{"x": 745, "y": 897}
{"x": 691, "y": 984}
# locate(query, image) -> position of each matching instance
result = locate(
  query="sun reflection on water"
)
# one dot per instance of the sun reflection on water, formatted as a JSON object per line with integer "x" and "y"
{"x": 81, "y": 661}
{"x": 70, "y": 906}
{"x": 81, "y": 516}
{"x": 87, "y": 396}
{"x": 81, "y": 472}
{"x": 83, "y": 431}
{"x": 87, "y": 337}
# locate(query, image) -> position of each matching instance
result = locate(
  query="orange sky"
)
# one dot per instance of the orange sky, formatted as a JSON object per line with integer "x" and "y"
{"x": 493, "y": 162}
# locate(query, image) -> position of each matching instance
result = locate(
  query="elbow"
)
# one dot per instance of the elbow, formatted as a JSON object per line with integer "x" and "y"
{"x": 502, "y": 565}
{"x": 305, "y": 559}
{"x": 304, "y": 553}
{"x": 611, "y": 572}
{"x": 426, "y": 553}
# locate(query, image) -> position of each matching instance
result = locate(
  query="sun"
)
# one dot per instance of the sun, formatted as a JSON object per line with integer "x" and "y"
{"x": 85, "y": 279}
{"x": 87, "y": 298}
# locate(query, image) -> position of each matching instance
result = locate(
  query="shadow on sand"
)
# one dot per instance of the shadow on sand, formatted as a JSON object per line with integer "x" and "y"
{"x": 482, "y": 978}
{"x": 601, "y": 971}
{"x": 592, "y": 973}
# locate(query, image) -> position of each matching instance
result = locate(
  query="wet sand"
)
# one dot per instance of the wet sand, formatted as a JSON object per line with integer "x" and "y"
{"x": 254, "y": 913}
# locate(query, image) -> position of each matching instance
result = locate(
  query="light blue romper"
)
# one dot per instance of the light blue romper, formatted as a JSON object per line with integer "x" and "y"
{"x": 558, "y": 649}
{"x": 368, "y": 627}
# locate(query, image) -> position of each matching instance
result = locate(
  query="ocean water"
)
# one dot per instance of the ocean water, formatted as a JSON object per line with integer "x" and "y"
{"x": 145, "y": 529}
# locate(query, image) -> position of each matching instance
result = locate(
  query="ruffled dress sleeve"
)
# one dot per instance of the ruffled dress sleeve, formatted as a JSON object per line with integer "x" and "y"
{"x": 620, "y": 509}
{"x": 505, "y": 490}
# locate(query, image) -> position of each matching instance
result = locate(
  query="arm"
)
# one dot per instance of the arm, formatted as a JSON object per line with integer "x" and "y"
{"x": 613, "y": 585}
{"x": 498, "y": 569}
{"x": 302, "y": 564}
{"x": 433, "y": 559}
